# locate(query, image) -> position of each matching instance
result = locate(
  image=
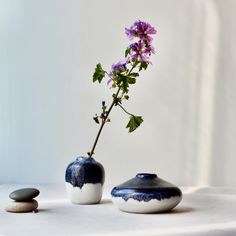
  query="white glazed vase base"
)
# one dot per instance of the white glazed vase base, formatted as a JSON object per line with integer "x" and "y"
{"x": 88, "y": 194}
{"x": 152, "y": 206}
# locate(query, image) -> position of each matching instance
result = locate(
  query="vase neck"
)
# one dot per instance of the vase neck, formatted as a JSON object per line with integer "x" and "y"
{"x": 146, "y": 176}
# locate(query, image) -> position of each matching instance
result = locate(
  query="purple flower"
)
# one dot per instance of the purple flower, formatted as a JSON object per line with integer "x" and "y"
{"x": 120, "y": 66}
{"x": 142, "y": 30}
{"x": 140, "y": 51}
{"x": 131, "y": 32}
{"x": 150, "y": 49}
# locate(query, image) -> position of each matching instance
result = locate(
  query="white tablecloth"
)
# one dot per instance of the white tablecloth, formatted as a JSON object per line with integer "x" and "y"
{"x": 203, "y": 211}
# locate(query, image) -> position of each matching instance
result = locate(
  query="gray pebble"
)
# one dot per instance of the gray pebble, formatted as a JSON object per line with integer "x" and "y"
{"x": 24, "y": 194}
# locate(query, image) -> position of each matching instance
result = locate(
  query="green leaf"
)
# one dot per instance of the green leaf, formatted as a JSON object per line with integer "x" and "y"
{"x": 121, "y": 78}
{"x": 143, "y": 65}
{"x": 134, "y": 74}
{"x": 99, "y": 73}
{"x": 134, "y": 123}
{"x": 130, "y": 80}
{"x": 95, "y": 118}
{"x": 117, "y": 100}
{"x": 126, "y": 97}
{"x": 127, "y": 51}
{"x": 123, "y": 83}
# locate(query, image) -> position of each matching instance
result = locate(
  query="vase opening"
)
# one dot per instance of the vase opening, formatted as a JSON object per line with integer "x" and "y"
{"x": 80, "y": 158}
{"x": 146, "y": 176}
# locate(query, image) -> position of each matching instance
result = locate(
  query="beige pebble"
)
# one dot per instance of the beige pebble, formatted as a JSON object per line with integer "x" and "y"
{"x": 19, "y": 207}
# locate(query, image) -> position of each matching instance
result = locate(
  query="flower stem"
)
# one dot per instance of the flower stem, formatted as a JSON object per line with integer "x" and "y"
{"x": 125, "y": 110}
{"x": 108, "y": 113}
{"x": 102, "y": 124}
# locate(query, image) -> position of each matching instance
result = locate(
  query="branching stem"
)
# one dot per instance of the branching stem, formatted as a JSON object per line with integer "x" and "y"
{"x": 125, "y": 110}
{"x": 102, "y": 124}
{"x": 108, "y": 113}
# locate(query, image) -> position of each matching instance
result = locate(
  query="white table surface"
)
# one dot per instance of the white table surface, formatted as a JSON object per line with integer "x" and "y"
{"x": 203, "y": 211}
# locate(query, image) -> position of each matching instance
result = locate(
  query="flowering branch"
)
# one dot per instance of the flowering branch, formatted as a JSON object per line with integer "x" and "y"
{"x": 124, "y": 74}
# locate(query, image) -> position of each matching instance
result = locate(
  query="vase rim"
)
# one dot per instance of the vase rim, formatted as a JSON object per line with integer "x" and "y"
{"x": 146, "y": 176}
{"x": 84, "y": 159}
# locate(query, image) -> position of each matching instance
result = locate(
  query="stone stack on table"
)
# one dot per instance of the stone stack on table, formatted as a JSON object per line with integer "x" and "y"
{"x": 23, "y": 200}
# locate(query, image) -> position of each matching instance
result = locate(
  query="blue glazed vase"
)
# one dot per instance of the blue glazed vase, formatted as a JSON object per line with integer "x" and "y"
{"x": 84, "y": 180}
{"x": 146, "y": 193}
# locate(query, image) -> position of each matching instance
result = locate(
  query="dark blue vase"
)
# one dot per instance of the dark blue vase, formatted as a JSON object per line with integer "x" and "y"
{"x": 146, "y": 193}
{"x": 84, "y": 180}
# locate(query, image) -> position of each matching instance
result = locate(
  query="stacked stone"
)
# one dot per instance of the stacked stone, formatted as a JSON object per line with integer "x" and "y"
{"x": 23, "y": 200}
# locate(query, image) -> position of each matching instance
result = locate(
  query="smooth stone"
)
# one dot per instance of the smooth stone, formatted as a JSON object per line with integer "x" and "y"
{"x": 20, "y": 207}
{"x": 24, "y": 194}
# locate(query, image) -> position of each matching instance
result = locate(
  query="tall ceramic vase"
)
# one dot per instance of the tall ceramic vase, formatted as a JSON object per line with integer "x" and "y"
{"x": 84, "y": 180}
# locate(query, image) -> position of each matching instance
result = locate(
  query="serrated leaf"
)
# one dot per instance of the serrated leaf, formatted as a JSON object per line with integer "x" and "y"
{"x": 131, "y": 80}
{"x": 134, "y": 123}
{"x": 99, "y": 73}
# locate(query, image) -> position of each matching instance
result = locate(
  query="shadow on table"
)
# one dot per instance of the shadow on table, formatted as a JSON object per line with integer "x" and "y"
{"x": 106, "y": 201}
{"x": 180, "y": 210}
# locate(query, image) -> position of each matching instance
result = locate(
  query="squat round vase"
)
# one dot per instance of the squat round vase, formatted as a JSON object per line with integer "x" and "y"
{"x": 84, "y": 181}
{"x": 146, "y": 193}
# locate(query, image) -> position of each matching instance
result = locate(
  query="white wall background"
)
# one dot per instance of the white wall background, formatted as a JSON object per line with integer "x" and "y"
{"x": 48, "y": 50}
